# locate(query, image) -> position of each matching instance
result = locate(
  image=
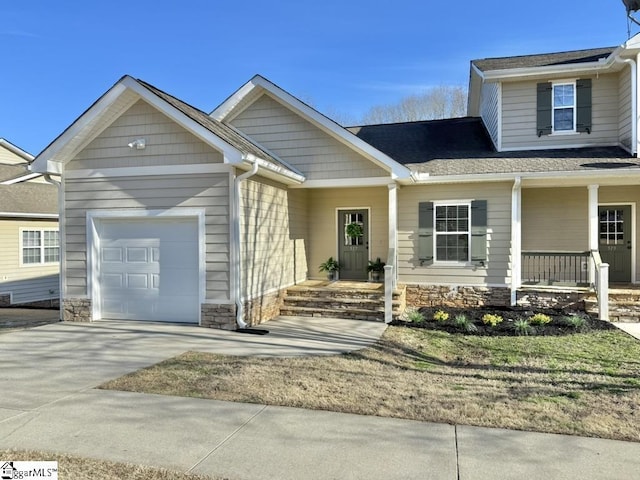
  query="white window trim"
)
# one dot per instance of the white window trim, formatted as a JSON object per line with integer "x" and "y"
{"x": 41, "y": 263}
{"x": 451, "y": 263}
{"x": 555, "y": 84}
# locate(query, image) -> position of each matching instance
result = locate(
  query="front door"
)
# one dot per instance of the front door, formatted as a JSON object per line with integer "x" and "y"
{"x": 353, "y": 241}
{"x": 615, "y": 224}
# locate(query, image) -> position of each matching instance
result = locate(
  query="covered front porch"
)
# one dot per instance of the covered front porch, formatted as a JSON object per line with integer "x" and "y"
{"x": 580, "y": 237}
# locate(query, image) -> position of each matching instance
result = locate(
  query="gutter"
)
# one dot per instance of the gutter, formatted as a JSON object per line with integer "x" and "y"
{"x": 61, "y": 275}
{"x": 236, "y": 256}
{"x": 634, "y": 100}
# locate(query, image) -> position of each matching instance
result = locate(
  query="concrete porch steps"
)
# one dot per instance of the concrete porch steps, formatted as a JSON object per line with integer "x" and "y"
{"x": 340, "y": 299}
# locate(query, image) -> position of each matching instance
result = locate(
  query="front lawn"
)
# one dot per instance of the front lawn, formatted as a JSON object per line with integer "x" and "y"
{"x": 581, "y": 384}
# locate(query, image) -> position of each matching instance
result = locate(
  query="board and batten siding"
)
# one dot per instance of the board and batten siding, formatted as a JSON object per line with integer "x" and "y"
{"x": 624, "y": 108}
{"x": 489, "y": 110}
{"x": 167, "y": 143}
{"x": 208, "y": 191}
{"x": 323, "y": 236}
{"x": 25, "y": 283}
{"x": 519, "y": 117}
{"x": 273, "y": 237}
{"x": 555, "y": 219}
{"x": 300, "y": 143}
{"x": 497, "y": 271}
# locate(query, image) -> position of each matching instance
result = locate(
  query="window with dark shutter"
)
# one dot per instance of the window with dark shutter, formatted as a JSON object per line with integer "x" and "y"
{"x": 583, "y": 109}
{"x": 543, "y": 125}
{"x": 479, "y": 231}
{"x": 425, "y": 233}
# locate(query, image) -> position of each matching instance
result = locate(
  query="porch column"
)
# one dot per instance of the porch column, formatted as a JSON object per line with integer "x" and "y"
{"x": 593, "y": 225}
{"x": 393, "y": 228}
{"x": 516, "y": 239}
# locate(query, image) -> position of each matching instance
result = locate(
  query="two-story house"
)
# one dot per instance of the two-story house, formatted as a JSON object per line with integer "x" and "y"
{"x": 170, "y": 213}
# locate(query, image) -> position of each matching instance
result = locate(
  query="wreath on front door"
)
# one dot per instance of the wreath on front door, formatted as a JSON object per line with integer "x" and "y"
{"x": 355, "y": 230}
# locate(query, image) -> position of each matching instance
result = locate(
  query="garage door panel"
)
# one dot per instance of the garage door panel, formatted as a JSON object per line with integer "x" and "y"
{"x": 149, "y": 270}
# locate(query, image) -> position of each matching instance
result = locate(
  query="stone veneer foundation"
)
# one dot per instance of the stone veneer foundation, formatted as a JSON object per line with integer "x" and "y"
{"x": 542, "y": 299}
{"x": 458, "y": 297}
{"x": 256, "y": 311}
{"x": 218, "y": 315}
{"x": 5, "y": 300}
{"x": 76, "y": 310}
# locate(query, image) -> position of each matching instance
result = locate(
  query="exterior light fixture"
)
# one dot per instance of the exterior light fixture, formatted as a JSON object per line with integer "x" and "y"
{"x": 138, "y": 144}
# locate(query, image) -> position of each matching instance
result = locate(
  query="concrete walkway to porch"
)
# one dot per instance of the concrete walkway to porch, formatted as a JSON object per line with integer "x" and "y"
{"x": 632, "y": 329}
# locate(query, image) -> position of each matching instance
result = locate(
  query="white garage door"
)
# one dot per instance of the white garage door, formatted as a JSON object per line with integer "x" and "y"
{"x": 149, "y": 270}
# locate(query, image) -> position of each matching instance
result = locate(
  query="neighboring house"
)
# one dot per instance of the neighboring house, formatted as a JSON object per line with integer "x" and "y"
{"x": 172, "y": 214}
{"x": 29, "y": 241}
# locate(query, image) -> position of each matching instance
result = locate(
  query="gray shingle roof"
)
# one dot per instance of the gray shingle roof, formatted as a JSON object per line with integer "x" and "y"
{"x": 543, "y": 60}
{"x": 225, "y": 132}
{"x": 26, "y": 197}
{"x": 461, "y": 146}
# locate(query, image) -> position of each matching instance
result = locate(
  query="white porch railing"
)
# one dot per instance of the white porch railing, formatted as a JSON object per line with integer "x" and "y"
{"x": 389, "y": 285}
{"x": 601, "y": 284}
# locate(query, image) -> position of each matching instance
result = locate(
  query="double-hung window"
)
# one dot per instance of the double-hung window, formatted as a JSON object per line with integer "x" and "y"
{"x": 452, "y": 232}
{"x": 564, "y": 107}
{"x": 39, "y": 246}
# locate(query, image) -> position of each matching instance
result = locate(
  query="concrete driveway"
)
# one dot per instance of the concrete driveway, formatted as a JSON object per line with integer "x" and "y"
{"x": 26, "y": 317}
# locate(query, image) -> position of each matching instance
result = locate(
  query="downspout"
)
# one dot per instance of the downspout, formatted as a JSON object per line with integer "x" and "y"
{"x": 516, "y": 239}
{"x": 236, "y": 260}
{"x": 634, "y": 101}
{"x": 61, "y": 275}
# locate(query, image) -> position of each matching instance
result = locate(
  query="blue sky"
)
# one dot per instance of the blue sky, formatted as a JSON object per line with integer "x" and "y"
{"x": 342, "y": 56}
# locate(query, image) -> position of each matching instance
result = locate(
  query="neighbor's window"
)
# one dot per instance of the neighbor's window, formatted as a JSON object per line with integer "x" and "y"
{"x": 564, "y": 107}
{"x": 452, "y": 233}
{"x": 40, "y": 246}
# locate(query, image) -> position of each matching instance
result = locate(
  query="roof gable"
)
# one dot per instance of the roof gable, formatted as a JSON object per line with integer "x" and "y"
{"x": 258, "y": 85}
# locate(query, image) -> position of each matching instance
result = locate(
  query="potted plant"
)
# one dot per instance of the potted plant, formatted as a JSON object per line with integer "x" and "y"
{"x": 376, "y": 268}
{"x": 331, "y": 266}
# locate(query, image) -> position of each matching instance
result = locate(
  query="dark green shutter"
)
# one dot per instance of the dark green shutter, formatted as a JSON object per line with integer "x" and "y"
{"x": 425, "y": 233}
{"x": 479, "y": 231}
{"x": 583, "y": 105}
{"x": 544, "y": 107}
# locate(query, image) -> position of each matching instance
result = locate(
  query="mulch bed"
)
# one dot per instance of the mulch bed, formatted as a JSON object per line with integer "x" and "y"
{"x": 558, "y": 325}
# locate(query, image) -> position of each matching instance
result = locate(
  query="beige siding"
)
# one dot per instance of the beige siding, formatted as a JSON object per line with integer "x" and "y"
{"x": 155, "y": 193}
{"x": 519, "y": 116}
{"x": 273, "y": 237}
{"x": 323, "y": 206}
{"x": 167, "y": 143}
{"x": 303, "y": 145}
{"x": 624, "y": 107}
{"x": 625, "y": 195}
{"x": 27, "y": 283}
{"x": 7, "y": 157}
{"x": 498, "y": 270}
{"x": 555, "y": 219}
{"x": 489, "y": 109}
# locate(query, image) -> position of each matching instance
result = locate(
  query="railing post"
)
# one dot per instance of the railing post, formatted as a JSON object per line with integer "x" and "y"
{"x": 603, "y": 292}
{"x": 388, "y": 293}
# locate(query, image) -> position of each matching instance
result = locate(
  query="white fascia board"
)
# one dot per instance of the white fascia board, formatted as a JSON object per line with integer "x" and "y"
{"x": 44, "y": 161}
{"x": 560, "y": 176}
{"x": 347, "y": 183}
{"x": 28, "y": 215}
{"x": 23, "y": 178}
{"x": 324, "y": 123}
{"x": 567, "y": 69}
{"x": 16, "y": 150}
{"x": 231, "y": 154}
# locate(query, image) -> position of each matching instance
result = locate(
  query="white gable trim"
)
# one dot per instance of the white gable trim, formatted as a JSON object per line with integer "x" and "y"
{"x": 16, "y": 150}
{"x": 324, "y": 123}
{"x": 49, "y": 161}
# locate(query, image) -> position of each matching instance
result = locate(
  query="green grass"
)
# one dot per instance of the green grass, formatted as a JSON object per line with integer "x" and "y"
{"x": 582, "y": 384}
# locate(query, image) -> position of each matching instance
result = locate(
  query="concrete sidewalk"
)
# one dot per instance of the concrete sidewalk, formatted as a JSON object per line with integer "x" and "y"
{"x": 49, "y": 402}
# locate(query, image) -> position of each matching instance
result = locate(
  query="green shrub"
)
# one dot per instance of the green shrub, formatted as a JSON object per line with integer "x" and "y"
{"x": 462, "y": 322}
{"x": 523, "y": 327}
{"x": 441, "y": 316}
{"x": 540, "y": 319}
{"x": 414, "y": 316}
{"x": 490, "y": 319}
{"x": 577, "y": 322}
